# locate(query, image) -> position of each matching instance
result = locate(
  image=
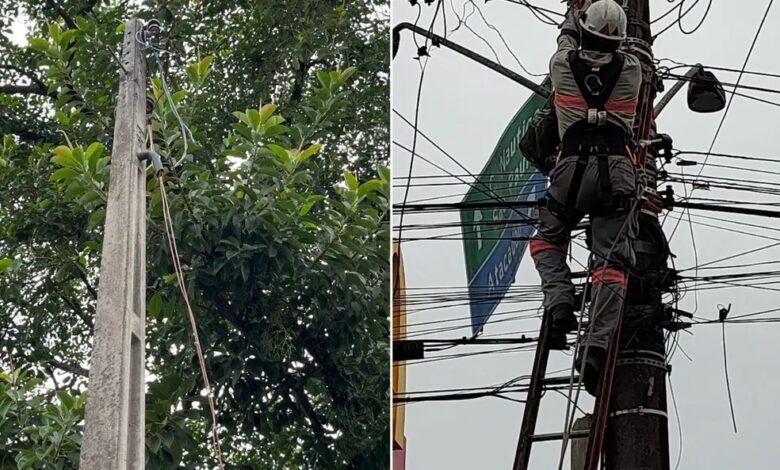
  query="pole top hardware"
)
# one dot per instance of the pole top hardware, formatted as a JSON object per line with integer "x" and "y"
{"x": 154, "y": 159}
{"x": 723, "y": 312}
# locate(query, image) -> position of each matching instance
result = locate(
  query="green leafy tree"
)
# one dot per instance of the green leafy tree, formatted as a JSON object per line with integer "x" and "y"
{"x": 280, "y": 204}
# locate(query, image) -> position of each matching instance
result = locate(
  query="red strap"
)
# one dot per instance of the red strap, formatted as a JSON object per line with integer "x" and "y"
{"x": 621, "y": 106}
{"x": 609, "y": 275}
{"x": 570, "y": 101}
{"x": 537, "y": 245}
{"x": 578, "y": 102}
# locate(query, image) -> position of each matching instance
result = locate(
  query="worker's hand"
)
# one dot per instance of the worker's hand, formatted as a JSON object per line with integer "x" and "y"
{"x": 581, "y": 5}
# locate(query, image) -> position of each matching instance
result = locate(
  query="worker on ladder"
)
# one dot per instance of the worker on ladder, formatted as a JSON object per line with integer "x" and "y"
{"x": 596, "y": 91}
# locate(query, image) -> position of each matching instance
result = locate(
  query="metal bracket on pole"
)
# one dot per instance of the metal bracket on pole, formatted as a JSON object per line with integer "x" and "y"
{"x": 154, "y": 159}
{"x": 440, "y": 41}
{"x": 640, "y": 410}
{"x": 640, "y": 361}
{"x": 664, "y": 100}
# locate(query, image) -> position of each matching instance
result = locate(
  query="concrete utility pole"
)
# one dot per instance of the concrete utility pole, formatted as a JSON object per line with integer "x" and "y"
{"x": 637, "y": 429}
{"x": 114, "y": 429}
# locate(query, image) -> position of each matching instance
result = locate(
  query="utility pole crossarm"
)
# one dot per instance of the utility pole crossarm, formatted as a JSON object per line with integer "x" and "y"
{"x": 440, "y": 41}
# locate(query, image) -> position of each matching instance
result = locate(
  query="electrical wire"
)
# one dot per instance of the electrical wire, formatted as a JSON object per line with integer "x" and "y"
{"x": 739, "y": 79}
{"x": 412, "y": 151}
{"x": 169, "y": 230}
{"x": 726, "y": 373}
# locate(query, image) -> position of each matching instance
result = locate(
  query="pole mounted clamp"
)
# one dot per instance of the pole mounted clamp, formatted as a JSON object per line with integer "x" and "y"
{"x": 640, "y": 410}
{"x": 641, "y": 361}
{"x": 154, "y": 159}
{"x": 633, "y": 353}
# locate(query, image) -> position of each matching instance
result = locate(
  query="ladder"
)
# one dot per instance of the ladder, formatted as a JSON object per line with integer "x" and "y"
{"x": 536, "y": 388}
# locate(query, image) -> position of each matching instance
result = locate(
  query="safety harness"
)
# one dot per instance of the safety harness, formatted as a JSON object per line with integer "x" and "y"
{"x": 593, "y": 136}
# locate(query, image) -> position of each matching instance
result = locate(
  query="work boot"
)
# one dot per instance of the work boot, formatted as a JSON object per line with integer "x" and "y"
{"x": 562, "y": 321}
{"x": 590, "y": 371}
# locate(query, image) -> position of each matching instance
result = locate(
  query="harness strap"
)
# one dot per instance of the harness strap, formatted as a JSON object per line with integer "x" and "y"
{"x": 596, "y": 83}
{"x": 576, "y": 180}
{"x": 620, "y": 203}
{"x": 559, "y": 210}
{"x": 604, "y": 180}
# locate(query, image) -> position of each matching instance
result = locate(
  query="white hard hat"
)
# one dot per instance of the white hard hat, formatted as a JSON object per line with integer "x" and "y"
{"x": 604, "y": 19}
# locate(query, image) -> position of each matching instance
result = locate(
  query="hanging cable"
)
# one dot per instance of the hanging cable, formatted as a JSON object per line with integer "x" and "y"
{"x": 170, "y": 233}
{"x": 722, "y": 314}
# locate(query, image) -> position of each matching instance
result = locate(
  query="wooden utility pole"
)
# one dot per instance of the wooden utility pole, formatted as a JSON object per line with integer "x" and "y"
{"x": 114, "y": 428}
{"x": 637, "y": 429}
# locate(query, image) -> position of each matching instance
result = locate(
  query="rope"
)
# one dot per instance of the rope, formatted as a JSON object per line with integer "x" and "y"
{"x": 180, "y": 278}
{"x": 171, "y": 238}
{"x": 569, "y": 419}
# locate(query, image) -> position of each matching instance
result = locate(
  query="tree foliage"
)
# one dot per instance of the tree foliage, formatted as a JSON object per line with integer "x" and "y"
{"x": 280, "y": 207}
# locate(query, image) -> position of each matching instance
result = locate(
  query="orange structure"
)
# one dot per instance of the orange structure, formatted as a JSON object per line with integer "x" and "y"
{"x": 399, "y": 368}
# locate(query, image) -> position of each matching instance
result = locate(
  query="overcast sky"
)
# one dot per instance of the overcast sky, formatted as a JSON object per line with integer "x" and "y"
{"x": 465, "y": 108}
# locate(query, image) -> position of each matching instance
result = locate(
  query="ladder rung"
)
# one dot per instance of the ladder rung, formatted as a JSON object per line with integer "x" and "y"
{"x": 556, "y": 436}
{"x": 563, "y": 380}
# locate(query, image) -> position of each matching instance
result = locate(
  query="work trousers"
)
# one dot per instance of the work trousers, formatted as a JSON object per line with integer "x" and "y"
{"x": 612, "y": 233}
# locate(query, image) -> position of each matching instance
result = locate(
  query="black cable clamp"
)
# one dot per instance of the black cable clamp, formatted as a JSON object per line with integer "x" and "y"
{"x": 723, "y": 312}
{"x": 155, "y": 160}
{"x": 668, "y": 197}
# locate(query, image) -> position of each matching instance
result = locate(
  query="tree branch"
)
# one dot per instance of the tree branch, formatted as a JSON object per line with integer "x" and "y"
{"x": 63, "y": 13}
{"x": 88, "y": 7}
{"x": 26, "y": 73}
{"x": 83, "y": 276}
{"x": 32, "y": 89}
{"x": 73, "y": 369}
{"x": 79, "y": 312}
{"x": 331, "y": 374}
{"x": 303, "y": 401}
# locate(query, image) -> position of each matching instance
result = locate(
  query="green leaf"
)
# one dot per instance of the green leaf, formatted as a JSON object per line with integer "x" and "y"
{"x": 97, "y": 218}
{"x": 307, "y": 207}
{"x": 5, "y": 263}
{"x": 155, "y": 304}
{"x": 280, "y": 152}
{"x": 66, "y": 399}
{"x": 311, "y": 150}
{"x": 204, "y": 67}
{"x": 352, "y": 182}
{"x": 120, "y": 28}
{"x": 266, "y": 112}
{"x": 39, "y": 44}
{"x": 88, "y": 197}
{"x": 368, "y": 187}
{"x": 254, "y": 118}
{"x": 153, "y": 443}
{"x": 62, "y": 151}
{"x": 63, "y": 161}
{"x": 384, "y": 173}
{"x": 94, "y": 149}
{"x": 324, "y": 78}
{"x": 54, "y": 31}
{"x": 348, "y": 72}
{"x": 63, "y": 173}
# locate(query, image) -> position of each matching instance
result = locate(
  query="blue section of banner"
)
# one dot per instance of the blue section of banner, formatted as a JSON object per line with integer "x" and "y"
{"x": 489, "y": 285}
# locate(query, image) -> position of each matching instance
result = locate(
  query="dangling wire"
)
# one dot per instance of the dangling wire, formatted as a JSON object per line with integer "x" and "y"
{"x": 145, "y": 38}
{"x": 723, "y": 312}
{"x": 193, "y": 323}
{"x": 171, "y": 238}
